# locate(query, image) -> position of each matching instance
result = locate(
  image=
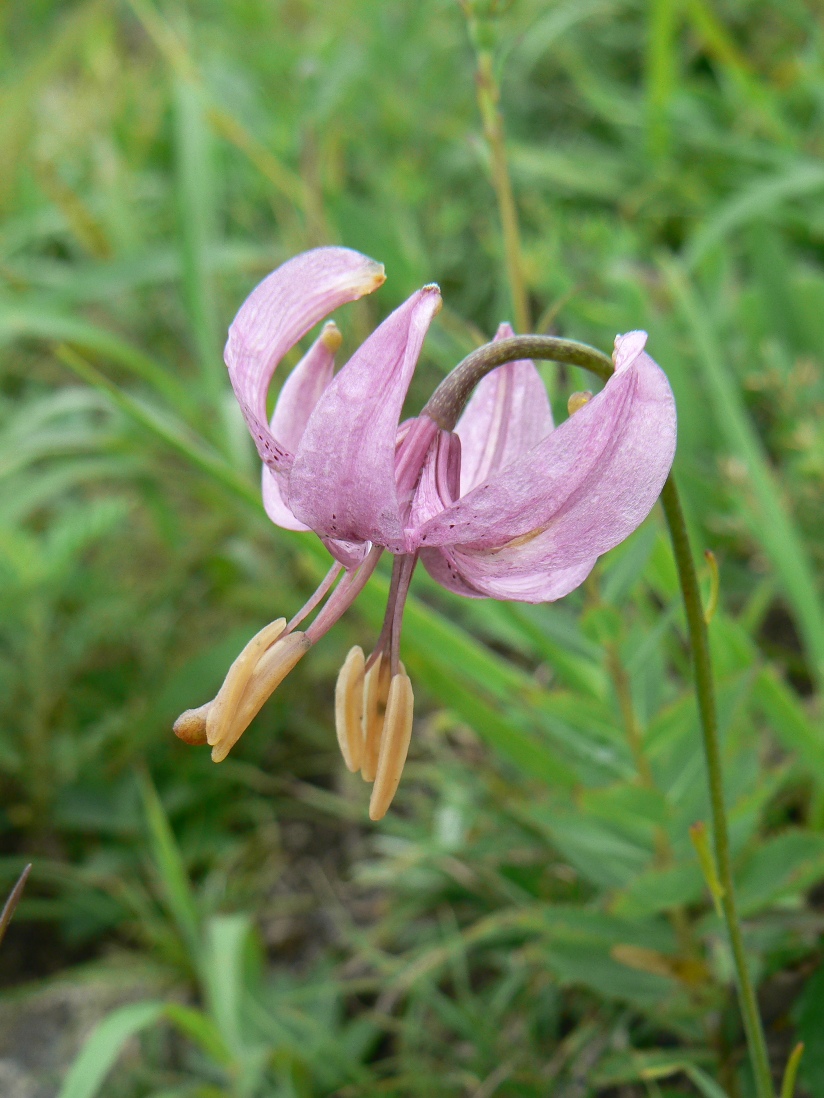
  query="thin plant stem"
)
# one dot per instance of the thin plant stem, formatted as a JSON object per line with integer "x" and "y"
{"x": 623, "y": 690}
{"x": 489, "y": 97}
{"x": 445, "y": 407}
{"x": 702, "y": 670}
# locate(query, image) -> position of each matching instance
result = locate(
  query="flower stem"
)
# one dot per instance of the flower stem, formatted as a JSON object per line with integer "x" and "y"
{"x": 444, "y": 408}
{"x": 489, "y": 96}
{"x": 447, "y": 402}
{"x": 702, "y": 669}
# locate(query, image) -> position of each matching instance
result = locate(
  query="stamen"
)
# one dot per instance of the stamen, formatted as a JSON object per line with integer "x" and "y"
{"x": 375, "y": 694}
{"x": 407, "y": 568}
{"x": 389, "y": 614}
{"x": 577, "y": 401}
{"x": 191, "y": 725}
{"x": 317, "y": 597}
{"x": 272, "y": 668}
{"x": 394, "y": 746}
{"x": 344, "y": 595}
{"x": 349, "y": 709}
{"x": 223, "y": 707}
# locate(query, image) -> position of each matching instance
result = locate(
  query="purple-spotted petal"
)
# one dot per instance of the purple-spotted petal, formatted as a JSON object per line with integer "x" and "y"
{"x": 587, "y": 485}
{"x": 277, "y": 313}
{"x": 507, "y": 415}
{"x": 342, "y": 483}
{"x": 518, "y": 574}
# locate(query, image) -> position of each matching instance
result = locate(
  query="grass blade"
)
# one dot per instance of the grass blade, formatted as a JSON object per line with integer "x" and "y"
{"x": 170, "y": 869}
{"x": 11, "y": 903}
{"x": 97, "y": 1057}
{"x": 770, "y": 522}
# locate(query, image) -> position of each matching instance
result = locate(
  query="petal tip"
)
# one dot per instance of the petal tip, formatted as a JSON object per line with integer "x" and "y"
{"x": 434, "y": 289}
{"x": 374, "y": 276}
{"x": 627, "y": 348}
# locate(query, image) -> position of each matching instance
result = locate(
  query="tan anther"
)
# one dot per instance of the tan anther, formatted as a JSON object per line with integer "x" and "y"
{"x": 349, "y": 709}
{"x": 577, "y": 401}
{"x": 191, "y": 725}
{"x": 397, "y": 731}
{"x": 375, "y": 694}
{"x": 272, "y": 668}
{"x": 330, "y": 337}
{"x": 225, "y": 704}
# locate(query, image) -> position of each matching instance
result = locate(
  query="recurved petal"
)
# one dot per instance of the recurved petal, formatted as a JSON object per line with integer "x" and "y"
{"x": 290, "y": 301}
{"x": 304, "y": 387}
{"x": 301, "y": 391}
{"x": 342, "y": 483}
{"x": 583, "y": 488}
{"x": 274, "y": 504}
{"x": 524, "y": 573}
{"x": 507, "y": 415}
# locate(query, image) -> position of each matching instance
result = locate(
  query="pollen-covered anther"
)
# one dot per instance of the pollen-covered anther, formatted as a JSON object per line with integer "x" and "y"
{"x": 272, "y": 668}
{"x": 577, "y": 401}
{"x": 349, "y": 709}
{"x": 394, "y": 745}
{"x": 225, "y": 704}
{"x": 375, "y": 696}
{"x": 191, "y": 725}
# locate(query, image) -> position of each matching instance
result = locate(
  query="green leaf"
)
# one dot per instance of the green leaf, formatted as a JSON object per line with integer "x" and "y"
{"x": 809, "y": 1012}
{"x": 99, "y": 1054}
{"x": 171, "y": 871}
{"x": 779, "y": 868}
{"x": 226, "y": 937}
{"x": 751, "y": 203}
{"x": 36, "y": 322}
{"x": 768, "y": 518}
{"x": 196, "y": 206}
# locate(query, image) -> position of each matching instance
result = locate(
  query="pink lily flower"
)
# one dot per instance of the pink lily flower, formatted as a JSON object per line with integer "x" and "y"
{"x": 505, "y": 506}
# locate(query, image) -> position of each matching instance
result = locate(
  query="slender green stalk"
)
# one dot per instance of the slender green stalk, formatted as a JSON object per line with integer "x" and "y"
{"x": 489, "y": 96}
{"x": 445, "y": 407}
{"x": 702, "y": 669}
{"x": 788, "y": 1083}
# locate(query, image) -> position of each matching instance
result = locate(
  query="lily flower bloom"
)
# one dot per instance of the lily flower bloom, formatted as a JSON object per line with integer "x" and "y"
{"x": 500, "y": 504}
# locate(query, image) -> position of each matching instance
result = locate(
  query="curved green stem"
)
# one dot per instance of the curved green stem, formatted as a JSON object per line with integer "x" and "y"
{"x": 447, "y": 402}
{"x": 702, "y": 670}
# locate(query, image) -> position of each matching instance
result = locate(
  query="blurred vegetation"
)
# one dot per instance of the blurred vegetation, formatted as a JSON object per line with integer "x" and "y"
{"x": 530, "y": 918}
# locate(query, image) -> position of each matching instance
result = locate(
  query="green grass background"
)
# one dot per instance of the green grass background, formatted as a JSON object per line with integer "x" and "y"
{"x": 530, "y": 918}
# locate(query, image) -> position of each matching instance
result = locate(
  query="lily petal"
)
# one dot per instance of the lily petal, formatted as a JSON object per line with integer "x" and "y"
{"x": 277, "y": 313}
{"x": 342, "y": 483}
{"x": 528, "y": 573}
{"x": 301, "y": 391}
{"x": 587, "y": 485}
{"x": 438, "y": 483}
{"x": 507, "y": 415}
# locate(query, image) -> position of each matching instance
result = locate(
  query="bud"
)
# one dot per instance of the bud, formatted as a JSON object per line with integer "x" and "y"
{"x": 577, "y": 401}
